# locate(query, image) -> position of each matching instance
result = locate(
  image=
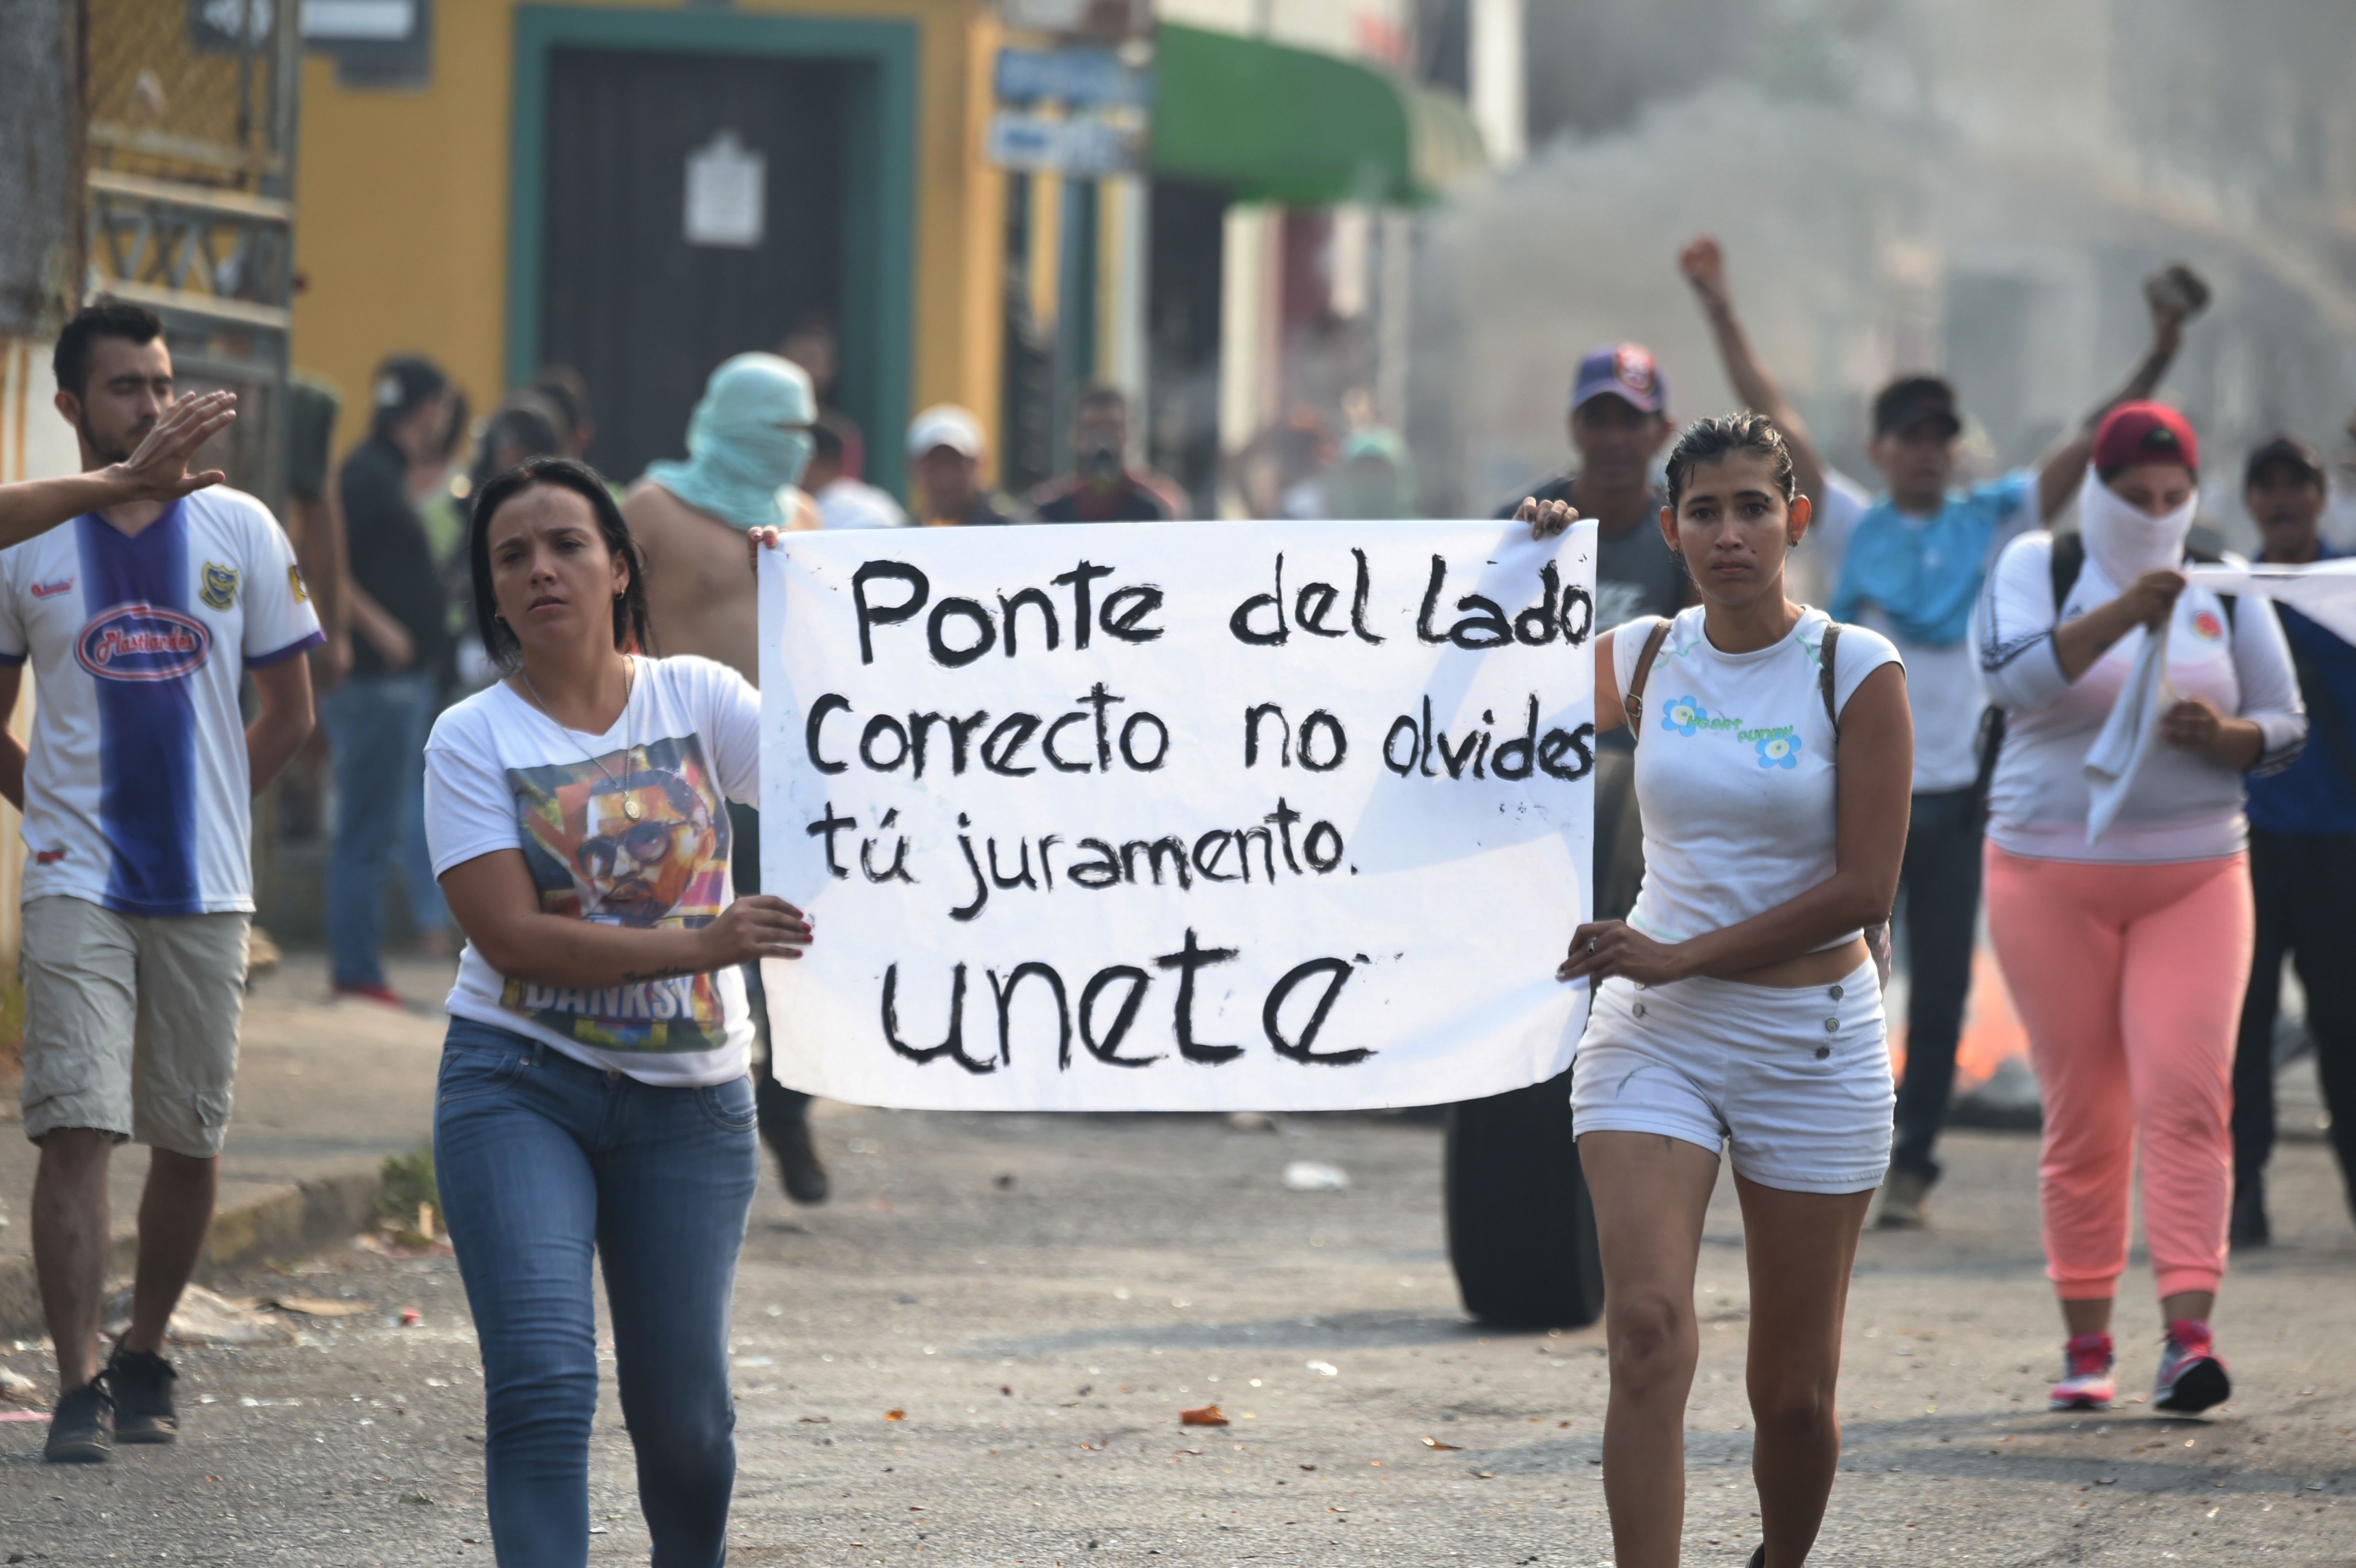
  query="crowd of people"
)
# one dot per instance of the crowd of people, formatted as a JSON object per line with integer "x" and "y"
{"x": 537, "y": 693}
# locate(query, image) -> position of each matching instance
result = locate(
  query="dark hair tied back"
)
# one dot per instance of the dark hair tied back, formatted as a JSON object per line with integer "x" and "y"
{"x": 1715, "y": 440}
{"x": 630, "y": 630}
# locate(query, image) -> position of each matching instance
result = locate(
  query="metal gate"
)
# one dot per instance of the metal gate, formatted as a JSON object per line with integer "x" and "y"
{"x": 191, "y": 113}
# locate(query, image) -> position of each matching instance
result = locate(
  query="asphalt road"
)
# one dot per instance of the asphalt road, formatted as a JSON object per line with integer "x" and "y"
{"x": 1039, "y": 1296}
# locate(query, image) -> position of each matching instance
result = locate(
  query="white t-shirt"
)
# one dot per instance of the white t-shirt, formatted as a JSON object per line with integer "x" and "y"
{"x": 1942, "y": 684}
{"x": 501, "y": 774}
{"x": 854, "y": 504}
{"x": 2181, "y": 806}
{"x": 136, "y": 793}
{"x": 1735, "y": 771}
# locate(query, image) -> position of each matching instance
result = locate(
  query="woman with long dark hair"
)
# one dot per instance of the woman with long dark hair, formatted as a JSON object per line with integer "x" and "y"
{"x": 592, "y": 1097}
{"x": 1739, "y": 1001}
{"x": 2126, "y": 937}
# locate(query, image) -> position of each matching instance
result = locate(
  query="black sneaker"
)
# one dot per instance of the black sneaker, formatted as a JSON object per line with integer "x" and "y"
{"x": 141, "y": 1383}
{"x": 786, "y": 1131}
{"x": 82, "y": 1429}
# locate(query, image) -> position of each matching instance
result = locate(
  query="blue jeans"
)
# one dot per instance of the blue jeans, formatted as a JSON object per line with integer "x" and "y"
{"x": 376, "y": 728}
{"x": 541, "y": 1161}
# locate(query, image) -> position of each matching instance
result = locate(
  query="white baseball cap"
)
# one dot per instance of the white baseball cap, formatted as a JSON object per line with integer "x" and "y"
{"x": 946, "y": 424}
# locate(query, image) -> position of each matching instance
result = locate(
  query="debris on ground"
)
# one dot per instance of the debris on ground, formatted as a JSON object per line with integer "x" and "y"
{"x": 1314, "y": 1176}
{"x": 389, "y": 1244}
{"x": 204, "y": 1318}
{"x": 1203, "y": 1416}
{"x": 313, "y": 1306}
{"x": 1443, "y": 1448}
{"x": 20, "y": 1388}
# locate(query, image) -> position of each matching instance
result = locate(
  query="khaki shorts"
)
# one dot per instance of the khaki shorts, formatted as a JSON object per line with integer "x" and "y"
{"x": 131, "y": 1022}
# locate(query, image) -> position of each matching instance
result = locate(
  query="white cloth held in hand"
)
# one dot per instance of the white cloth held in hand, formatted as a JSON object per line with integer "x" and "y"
{"x": 2324, "y": 592}
{"x": 2130, "y": 735}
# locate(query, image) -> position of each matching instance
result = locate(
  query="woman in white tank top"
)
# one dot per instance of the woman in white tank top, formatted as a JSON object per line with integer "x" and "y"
{"x": 1739, "y": 1002}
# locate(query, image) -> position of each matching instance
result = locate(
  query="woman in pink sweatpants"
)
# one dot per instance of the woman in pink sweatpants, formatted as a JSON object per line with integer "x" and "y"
{"x": 2122, "y": 916}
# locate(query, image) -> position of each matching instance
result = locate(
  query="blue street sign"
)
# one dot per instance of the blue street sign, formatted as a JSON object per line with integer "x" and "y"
{"x": 1070, "y": 76}
{"x": 1082, "y": 148}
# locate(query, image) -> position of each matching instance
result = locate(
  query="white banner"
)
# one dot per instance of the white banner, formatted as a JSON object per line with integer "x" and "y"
{"x": 1183, "y": 816}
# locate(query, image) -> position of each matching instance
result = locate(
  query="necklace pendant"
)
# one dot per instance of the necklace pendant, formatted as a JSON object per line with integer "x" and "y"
{"x": 631, "y": 809}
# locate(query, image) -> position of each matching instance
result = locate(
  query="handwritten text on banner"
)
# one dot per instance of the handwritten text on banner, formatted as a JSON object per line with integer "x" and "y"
{"x": 1178, "y": 816}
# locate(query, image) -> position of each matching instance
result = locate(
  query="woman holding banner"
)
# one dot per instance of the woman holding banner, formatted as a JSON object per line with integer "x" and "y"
{"x": 593, "y": 1096}
{"x": 1739, "y": 1002}
{"x": 2125, "y": 933}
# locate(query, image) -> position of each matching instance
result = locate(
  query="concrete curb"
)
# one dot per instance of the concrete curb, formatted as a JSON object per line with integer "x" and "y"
{"x": 288, "y": 1223}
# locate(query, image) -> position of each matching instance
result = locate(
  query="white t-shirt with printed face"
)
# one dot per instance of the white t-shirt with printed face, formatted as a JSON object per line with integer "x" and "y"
{"x": 629, "y": 828}
{"x": 137, "y": 795}
{"x": 1735, "y": 770}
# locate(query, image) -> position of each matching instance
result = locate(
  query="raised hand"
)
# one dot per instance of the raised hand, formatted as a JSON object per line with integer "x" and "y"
{"x": 1704, "y": 266}
{"x": 157, "y": 471}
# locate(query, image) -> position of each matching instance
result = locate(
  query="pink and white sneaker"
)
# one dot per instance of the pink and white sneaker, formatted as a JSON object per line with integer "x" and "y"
{"x": 2191, "y": 1373}
{"x": 2086, "y": 1374}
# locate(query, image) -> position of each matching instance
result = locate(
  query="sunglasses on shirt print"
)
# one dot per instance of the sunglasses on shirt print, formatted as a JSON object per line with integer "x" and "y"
{"x": 647, "y": 843}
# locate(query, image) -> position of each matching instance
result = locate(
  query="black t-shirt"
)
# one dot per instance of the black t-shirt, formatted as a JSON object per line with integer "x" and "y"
{"x": 1070, "y": 500}
{"x": 1636, "y": 574}
{"x": 989, "y": 509}
{"x": 391, "y": 558}
{"x": 311, "y": 408}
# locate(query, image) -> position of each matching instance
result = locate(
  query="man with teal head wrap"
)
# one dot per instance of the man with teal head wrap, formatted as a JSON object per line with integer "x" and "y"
{"x": 747, "y": 444}
{"x": 750, "y": 437}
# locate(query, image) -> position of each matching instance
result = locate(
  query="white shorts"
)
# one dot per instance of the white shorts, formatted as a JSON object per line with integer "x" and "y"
{"x": 1796, "y": 1079}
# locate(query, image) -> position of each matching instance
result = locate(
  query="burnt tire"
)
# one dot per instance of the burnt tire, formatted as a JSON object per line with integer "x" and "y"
{"x": 1521, "y": 1228}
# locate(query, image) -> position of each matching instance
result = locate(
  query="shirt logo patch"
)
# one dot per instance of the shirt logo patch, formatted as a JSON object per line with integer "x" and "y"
{"x": 140, "y": 641}
{"x": 220, "y": 585}
{"x": 51, "y": 590}
{"x": 2207, "y": 628}
{"x": 48, "y": 857}
{"x": 296, "y": 586}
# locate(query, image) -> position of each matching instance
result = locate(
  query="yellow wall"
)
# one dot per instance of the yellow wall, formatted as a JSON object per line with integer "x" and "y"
{"x": 402, "y": 209}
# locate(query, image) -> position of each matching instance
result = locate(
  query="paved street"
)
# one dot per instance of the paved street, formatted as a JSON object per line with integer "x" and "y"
{"x": 1040, "y": 1296}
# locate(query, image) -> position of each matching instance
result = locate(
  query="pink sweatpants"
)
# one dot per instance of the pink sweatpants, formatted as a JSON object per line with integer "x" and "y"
{"x": 2129, "y": 981}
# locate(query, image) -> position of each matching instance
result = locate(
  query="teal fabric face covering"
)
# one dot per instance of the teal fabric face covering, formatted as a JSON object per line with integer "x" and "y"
{"x": 741, "y": 450}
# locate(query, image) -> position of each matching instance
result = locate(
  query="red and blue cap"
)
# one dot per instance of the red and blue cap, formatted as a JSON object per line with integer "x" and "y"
{"x": 1623, "y": 370}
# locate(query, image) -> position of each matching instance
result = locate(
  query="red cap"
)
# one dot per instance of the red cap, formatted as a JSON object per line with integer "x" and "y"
{"x": 2144, "y": 433}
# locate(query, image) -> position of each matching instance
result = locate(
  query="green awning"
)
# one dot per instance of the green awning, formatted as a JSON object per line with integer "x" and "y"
{"x": 1276, "y": 123}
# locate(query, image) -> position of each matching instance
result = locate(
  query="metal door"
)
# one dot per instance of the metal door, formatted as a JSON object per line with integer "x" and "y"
{"x": 646, "y": 283}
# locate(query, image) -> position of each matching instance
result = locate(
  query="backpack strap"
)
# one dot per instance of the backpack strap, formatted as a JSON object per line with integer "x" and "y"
{"x": 1825, "y": 652}
{"x": 2069, "y": 560}
{"x": 1634, "y": 703}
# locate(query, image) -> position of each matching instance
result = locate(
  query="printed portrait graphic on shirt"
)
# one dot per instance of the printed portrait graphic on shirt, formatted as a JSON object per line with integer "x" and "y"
{"x": 636, "y": 838}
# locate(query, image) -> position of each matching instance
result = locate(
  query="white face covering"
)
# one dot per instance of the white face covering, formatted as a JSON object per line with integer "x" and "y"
{"x": 2126, "y": 541}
